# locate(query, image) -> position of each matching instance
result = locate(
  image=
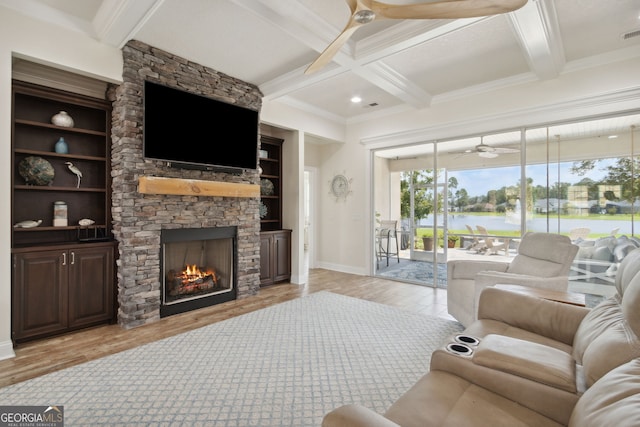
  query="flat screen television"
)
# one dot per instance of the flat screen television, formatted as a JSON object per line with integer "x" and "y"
{"x": 191, "y": 131}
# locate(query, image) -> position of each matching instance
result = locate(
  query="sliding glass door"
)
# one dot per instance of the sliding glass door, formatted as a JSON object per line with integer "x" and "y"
{"x": 579, "y": 179}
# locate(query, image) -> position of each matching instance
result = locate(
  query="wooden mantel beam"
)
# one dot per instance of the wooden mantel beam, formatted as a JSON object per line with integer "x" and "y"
{"x": 195, "y": 187}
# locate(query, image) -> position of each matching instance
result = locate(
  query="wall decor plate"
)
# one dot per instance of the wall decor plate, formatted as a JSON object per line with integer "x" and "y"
{"x": 36, "y": 171}
{"x": 266, "y": 187}
{"x": 340, "y": 186}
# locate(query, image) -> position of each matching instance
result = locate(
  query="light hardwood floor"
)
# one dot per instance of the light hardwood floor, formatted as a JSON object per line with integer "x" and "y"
{"x": 40, "y": 357}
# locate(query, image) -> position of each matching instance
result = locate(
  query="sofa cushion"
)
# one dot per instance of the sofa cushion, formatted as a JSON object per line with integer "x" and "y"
{"x": 529, "y": 360}
{"x": 609, "y": 335}
{"x": 446, "y": 400}
{"x": 528, "y": 265}
{"x": 601, "y": 318}
{"x": 545, "y": 255}
{"x": 614, "y": 400}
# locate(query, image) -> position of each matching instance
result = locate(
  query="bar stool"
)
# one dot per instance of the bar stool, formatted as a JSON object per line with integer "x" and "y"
{"x": 384, "y": 234}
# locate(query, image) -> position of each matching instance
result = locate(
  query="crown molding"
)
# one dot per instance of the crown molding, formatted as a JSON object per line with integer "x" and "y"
{"x": 621, "y": 100}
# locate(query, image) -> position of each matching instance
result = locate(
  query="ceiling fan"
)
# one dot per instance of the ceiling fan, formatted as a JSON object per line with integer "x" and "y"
{"x": 366, "y": 11}
{"x": 489, "y": 152}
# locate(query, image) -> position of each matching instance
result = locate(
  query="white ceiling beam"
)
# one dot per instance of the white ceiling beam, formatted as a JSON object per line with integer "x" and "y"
{"x": 293, "y": 18}
{"x": 394, "y": 83}
{"x": 118, "y": 21}
{"x": 317, "y": 34}
{"x": 537, "y": 30}
{"x": 406, "y": 35}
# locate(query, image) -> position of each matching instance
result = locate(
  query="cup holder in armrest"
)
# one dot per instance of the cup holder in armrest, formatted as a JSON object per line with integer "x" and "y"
{"x": 459, "y": 349}
{"x": 467, "y": 340}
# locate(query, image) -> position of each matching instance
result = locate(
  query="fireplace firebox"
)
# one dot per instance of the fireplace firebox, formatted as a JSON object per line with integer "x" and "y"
{"x": 198, "y": 268}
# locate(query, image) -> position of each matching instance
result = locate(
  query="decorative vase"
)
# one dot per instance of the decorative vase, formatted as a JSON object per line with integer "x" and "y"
{"x": 61, "y": 146}
{"x": 62, "y": 119}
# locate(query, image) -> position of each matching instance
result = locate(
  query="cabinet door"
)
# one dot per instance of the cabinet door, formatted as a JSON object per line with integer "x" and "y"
{"x": 282, "y": 255}
{"x": 91, "y": 285}
{"x": 266, "y": 259}
{"x": 39, "y": 293}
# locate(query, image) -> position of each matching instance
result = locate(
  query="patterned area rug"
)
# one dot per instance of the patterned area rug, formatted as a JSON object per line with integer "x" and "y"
{"x": 420, "y": 272}
{"x": 285, "y": 365}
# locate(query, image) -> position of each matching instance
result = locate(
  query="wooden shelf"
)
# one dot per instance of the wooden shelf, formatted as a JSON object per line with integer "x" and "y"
{"x": 49, "y": 228}
{"x": 59, "y": 155}
{"x": 59, "y": 128}
{"x": 51, "y": 188}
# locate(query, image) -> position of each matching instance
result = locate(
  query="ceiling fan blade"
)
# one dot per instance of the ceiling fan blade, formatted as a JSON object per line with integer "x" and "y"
{"x": 330, "y": 51}
{"x": 360, "y": 15}
{"x": 446, "y": 9}
{"x": 488, "y": 154}
{"x": 502, "y": 150}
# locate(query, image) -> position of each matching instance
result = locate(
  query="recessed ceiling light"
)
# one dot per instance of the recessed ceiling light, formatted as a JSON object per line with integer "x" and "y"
{"x": 356, "y": 99}
{"x": 612, "y": 136}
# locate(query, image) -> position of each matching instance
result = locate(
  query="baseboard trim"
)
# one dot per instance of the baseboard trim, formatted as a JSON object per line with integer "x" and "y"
{"x": 6, "y": 350}
{"x": 342, "y": 268}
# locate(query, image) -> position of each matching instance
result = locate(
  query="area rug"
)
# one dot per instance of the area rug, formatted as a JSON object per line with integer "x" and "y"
{"x": 420, "y": 272}
{"x": 285, "y": 365}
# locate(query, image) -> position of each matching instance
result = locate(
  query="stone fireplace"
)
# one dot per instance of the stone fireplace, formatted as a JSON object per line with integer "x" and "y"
{"x": 141, "y": 218}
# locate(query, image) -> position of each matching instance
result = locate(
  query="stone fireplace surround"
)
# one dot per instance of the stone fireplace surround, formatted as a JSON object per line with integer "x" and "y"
{"x": 139, "y": 218}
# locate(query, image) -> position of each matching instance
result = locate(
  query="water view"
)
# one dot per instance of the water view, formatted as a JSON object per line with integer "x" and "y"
{"x": 498, "y": 223}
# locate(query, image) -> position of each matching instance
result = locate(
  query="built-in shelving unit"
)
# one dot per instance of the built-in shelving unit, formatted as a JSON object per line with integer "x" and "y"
{"x": 63, "y": 275}
{"x": 275, "y": 242}
{"x": 271, "y": 182}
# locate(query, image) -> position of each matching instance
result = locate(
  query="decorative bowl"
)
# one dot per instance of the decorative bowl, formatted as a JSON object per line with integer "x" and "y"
{"x": 266, "y": 187}
{"x": 36, "y": 171}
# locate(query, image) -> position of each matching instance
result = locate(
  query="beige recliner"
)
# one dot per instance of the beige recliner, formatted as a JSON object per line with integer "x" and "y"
{"x": 543, "y": 261}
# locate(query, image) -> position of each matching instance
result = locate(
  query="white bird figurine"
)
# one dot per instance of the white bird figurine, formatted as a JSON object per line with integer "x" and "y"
{"x": 74, "y": 170}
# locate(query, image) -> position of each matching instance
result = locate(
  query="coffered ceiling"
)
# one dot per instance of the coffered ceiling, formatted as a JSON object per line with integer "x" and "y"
{"x": 392, "y": 65}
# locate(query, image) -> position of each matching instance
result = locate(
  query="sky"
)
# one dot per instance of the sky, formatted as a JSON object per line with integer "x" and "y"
{"x": 478, "y": 181}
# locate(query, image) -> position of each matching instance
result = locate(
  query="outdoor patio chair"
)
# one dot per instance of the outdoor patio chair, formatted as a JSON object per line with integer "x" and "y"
{"x": 493, "y": 246}
{"x": 476, "y": 243}
{"x": 579, "y": 233}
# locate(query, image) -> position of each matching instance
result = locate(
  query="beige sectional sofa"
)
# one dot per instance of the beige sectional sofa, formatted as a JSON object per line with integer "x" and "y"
{"x": 529, "y": 362}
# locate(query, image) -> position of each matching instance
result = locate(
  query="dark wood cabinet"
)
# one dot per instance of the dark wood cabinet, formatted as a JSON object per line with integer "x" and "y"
{"x": 275, "y": 257}
{"x": 91, "y": 290}
{"x": 62, "y": 289}
{"x": 63, "y": 275}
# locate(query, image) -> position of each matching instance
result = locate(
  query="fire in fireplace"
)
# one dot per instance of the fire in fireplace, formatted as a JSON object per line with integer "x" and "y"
{"x": 191, "y": 281}
{"x": 198, "y": 268}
